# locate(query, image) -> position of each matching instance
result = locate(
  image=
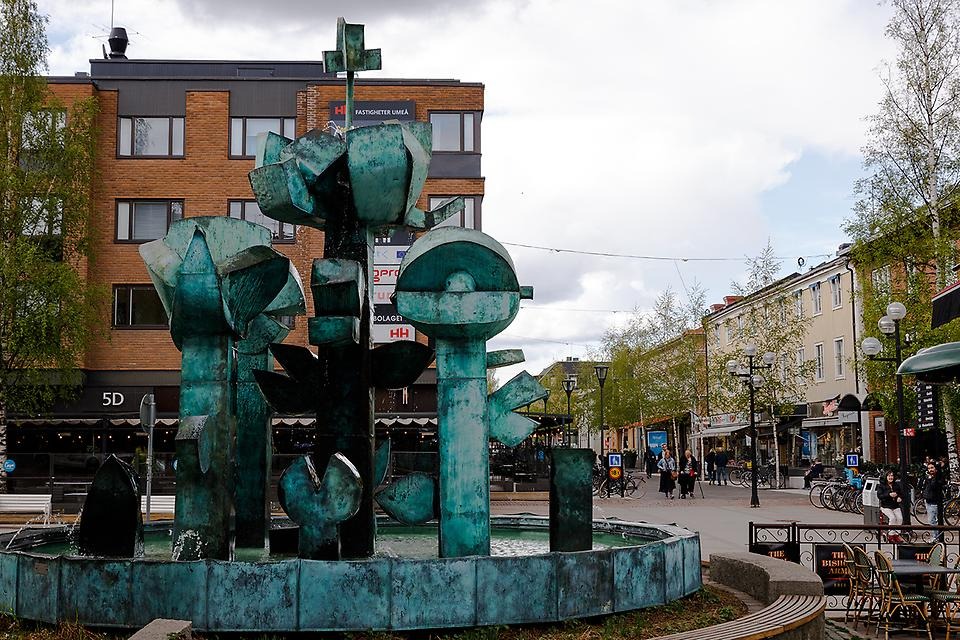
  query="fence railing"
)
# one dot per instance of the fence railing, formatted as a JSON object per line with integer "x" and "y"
{"x": 819, "y": 547}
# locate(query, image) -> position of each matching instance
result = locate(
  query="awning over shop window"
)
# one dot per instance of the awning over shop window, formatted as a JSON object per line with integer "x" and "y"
{"x": 723, "y": 431}
{"x": 813, "y": 423}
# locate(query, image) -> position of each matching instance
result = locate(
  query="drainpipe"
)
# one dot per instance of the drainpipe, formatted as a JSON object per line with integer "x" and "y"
{"x": 856, "y": 364}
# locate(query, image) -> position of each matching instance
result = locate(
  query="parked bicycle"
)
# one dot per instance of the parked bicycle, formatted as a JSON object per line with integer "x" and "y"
{"x": 630, "y": 486}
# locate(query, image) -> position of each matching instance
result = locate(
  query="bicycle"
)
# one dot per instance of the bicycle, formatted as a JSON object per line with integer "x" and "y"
{"x": 627, "y": 485}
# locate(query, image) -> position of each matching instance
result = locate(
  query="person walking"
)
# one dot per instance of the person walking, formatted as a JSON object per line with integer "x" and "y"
{"x": 689, "y": 468}
{"x": 650, "y": 462}
{"x": 891, "y": 504}
{"x": 711, "y": 460}
{"x": 668, "y": 474}
{"x": 721, "y": 463}
{"x": 931, "y": 486}
{"x": 815, "y": 471}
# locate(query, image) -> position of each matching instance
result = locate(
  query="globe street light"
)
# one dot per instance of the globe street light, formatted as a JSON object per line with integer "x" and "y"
{"x": 754, "y": 381}
{"x": 569, "y": 384}
{"x": 890, "y": 324}
{"x": 601, "y": 371}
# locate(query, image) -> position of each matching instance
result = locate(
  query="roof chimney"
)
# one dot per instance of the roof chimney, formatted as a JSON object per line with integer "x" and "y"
{"x": 118, "y": 43}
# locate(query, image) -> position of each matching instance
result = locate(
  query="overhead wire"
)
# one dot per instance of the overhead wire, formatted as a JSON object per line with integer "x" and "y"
{"x": 607, "y": 254}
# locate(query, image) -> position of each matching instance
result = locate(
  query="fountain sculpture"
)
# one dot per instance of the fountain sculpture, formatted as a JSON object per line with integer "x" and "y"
{"x": 224, "y": 287}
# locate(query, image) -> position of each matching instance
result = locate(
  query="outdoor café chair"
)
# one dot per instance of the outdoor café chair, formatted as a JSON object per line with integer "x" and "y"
{"x": 948, "y": 600}
{"x": 853, "y": 584}
{"x": 868, "y": 595}
{"x": 935, "y": 559}
{"x": 895, "y": 600}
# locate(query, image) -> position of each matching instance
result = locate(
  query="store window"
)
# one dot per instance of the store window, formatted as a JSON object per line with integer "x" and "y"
{"x": 143, "y": 220}
{"x": 466, "y": 218}
{"x": 455, "y": 131}
{"x": 249, "y": 210}
{"x": 244, "y": 132}
{"x": 150, "y": 137}
{"x": 138, "y": 306}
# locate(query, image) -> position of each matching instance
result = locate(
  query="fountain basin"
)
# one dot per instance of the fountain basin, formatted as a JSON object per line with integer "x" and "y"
{"x": 380, "y": 593}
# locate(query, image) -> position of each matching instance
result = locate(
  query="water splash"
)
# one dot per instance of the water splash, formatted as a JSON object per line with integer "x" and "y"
{"x": 189, "y": 542}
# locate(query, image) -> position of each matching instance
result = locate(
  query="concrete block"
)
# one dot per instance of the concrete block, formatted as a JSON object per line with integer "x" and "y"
{"x": 763, "y": 577}
{"x": 163, "y": 629}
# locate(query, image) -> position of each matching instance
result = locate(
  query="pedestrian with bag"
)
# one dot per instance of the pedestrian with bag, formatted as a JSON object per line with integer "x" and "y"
{"x": 668, "y": 474}
{"x": 890, "y": 493}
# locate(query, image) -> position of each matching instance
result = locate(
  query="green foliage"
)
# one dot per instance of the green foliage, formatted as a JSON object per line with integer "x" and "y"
{"x": 46, "y": 172}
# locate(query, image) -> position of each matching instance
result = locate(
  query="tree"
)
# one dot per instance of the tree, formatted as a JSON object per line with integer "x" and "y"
{"x": 906, "y": 210}
{"x": 46, "y": 172}
{"x": 656, "y": 361}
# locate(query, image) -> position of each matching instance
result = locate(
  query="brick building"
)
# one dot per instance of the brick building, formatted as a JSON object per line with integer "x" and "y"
{"x": 177, "y": 139}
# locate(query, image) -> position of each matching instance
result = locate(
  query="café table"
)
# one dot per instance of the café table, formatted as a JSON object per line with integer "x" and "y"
{"x": 916, "y": 568}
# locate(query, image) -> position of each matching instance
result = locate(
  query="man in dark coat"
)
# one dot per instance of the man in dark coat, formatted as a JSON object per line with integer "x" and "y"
{"x": 711, "y": 459}
{"x": 721, "y": 463}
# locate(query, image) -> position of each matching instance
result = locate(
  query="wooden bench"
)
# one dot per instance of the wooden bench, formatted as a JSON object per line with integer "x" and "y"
{"x": 158, "y": 504}
{"x": 784, "y": 615}
{"x": 27, "y": 503}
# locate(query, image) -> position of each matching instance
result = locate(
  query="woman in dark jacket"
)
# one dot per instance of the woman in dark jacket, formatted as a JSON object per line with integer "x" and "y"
{"x": 890, "y": 493}
{"x": 689, "y": 468}
{"x": 668, "y": 467}
{"x": 650, "y": 461}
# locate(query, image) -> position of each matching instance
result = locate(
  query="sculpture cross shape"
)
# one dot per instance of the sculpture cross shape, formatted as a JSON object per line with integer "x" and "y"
{"x": 350, "y": 56}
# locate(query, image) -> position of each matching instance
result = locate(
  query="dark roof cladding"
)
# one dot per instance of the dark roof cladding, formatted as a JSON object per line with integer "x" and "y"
{"x": 207, "y": 69}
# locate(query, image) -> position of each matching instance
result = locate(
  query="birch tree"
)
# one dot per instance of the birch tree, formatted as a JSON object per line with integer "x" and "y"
{"x": 904, "y": 215}
{"x": 46, "y": 170}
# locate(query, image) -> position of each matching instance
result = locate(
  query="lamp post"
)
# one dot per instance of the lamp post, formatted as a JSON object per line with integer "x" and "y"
{"x": 890, "y": 324}
{"x": 569, "y": 384}
{"x": 601, "y": 371}
{"x": 754, "y": 381}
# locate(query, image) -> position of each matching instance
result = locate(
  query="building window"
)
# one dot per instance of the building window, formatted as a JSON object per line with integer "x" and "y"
{"x": 818, "y": 361}
{"x": 731, "y": 332}
{"x": 739, "y": 325}
{"x": 143, "y": 220}
{"x": 138, "y": 306}
{"x": 454, "y": 132}
{"x": 838, "y": 356}
{"x": 249, "y": 210}
{"x": 716, "y": 332}
{"x": 784, "y": 368}
{"x": 801, "y": 362}
{"x": 835, "y": 294}
{"x": 798, "y": 303}
{"x": 37, "y": 125}
{"x": 880, "y": 278}
{"x": 150, "y": 137}
{"x": 244, "y": 131}
{"x": 815, "y": 298}
{"x": 466, "y": 218}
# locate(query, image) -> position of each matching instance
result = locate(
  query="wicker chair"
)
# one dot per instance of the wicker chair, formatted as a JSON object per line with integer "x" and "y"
{"x": 895, "y": 600}
{"x": 935, "y": 559}
{"x": 853, "y": 583}
{"x": 948, "y": 601}
{"x": 869, "y": 595}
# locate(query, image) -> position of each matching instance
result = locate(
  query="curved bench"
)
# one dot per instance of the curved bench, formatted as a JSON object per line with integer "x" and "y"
{"x": 795, "y": 606}
{"x": 787, "y": 614}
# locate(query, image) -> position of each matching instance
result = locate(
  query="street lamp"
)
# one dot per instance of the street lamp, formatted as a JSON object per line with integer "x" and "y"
{"x": 601, "y": 371}
{"x": 890, "y": 324}
{"x": 569, "y": 384}
{"x": 749, "y": 376}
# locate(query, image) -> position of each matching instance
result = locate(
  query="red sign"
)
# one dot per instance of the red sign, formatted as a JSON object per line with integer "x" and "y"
{"x": 909, "y": 432}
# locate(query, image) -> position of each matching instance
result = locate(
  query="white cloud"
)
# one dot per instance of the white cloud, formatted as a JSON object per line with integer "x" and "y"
{"x": 622, "y": 126}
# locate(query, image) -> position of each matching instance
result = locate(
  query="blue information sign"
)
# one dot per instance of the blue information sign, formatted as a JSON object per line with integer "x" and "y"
{"x": 656, "y": 440}
{"x": 614, "y": 460}
{"x": 9, "y": 465}
{"x": 853, "y": 460}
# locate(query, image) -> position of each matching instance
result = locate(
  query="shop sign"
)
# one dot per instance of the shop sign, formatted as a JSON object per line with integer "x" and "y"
{"x": 789, "y": 551}
{"x": 374, "y": 111}
{"x": 386, "y": 314}
{"x": 918, "y": 552}
{"x": 386, "y": 274}
{"x": 102, "y": 400}
{"x": 830, "y": 563}
{"x": 725, "y": 419}
{"x": 389, "y": 254}
{"x": 879, "y": 423}
{"x": 382, "y": 293}
{"x": 392, "y": 332}
{"x": 656, "y": 440}
{"x": 926, "y": 406}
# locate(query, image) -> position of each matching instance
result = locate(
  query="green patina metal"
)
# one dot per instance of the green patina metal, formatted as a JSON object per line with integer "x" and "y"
{"x": 350, "y": 184}
{"x": 571, "y": 502}
{"x": 939, "y": 364}
{"x": 111, "y": 524}
{"x": 216, "y": 277}
{"x": 318, "y": 506}
{"x": 459, "y": 286}
{"x": 411, "y": 499}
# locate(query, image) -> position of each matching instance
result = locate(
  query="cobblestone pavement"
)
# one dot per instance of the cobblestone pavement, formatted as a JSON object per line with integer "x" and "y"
{"x": 721, "y": 515}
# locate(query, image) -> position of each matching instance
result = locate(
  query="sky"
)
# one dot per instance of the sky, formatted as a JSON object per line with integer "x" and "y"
{"x": 674, "y": 128}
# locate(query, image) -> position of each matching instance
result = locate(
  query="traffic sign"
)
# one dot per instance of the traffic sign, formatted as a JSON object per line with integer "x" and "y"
{"x": 853, "y": 460}
{"x": 9, "y": 465}
{"x": 614, "y": 460}
{"x": 909, "y": 432}
{"x": 615, "y": 473}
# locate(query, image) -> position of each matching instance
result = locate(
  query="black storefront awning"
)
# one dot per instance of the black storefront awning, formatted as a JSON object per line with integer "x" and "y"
{"x": 946, "y": 306}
